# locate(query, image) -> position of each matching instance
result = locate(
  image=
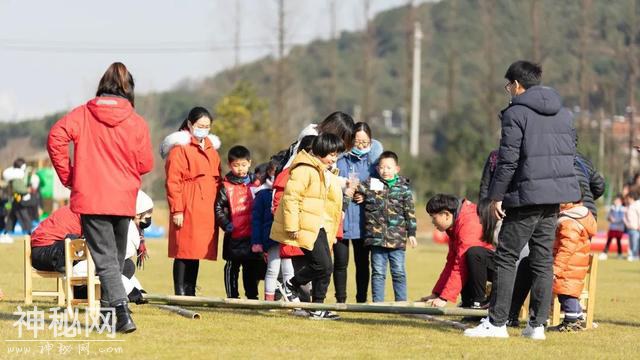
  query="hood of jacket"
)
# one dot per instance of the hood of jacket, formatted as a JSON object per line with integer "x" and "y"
{"x": 183, "y": 137}
{"x": 110, "y": 110}
{"x": 230, "y": 177}
{"x": 581, "y": 214}
{"x": 541, "y": 99}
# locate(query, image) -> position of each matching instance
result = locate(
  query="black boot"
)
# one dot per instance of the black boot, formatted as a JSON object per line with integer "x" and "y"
{"x": 124, "y": 322}
{"x": 178, "y": 276}
{"x": 190, "y": 289}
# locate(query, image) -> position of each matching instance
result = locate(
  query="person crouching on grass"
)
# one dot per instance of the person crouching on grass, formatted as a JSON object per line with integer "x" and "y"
{"x": 390, "y": 223}
{"x": 469, "y": 260}
{"x": 308, "y": 217}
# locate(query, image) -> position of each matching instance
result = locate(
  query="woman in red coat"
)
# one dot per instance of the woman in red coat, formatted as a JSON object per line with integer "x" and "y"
{"x": 193, "y": 179}
{"x": 112, "y": 150}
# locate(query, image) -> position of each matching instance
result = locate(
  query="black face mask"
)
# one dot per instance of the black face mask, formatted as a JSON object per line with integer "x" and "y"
{"x": 145, "y": 223}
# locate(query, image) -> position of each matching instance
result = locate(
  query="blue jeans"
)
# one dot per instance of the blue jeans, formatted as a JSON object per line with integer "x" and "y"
{"x": 379, "y": 258}
{"x": 634, "y": 242}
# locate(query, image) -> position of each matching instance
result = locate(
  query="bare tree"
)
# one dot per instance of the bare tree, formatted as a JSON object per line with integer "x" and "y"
{"x": 334, "y": 55}
{"x": 280, "y": 65}
{"x": 409, "y": 28}
{"x": 367, "y": 60}
{"x": 535, "y": 30}
{"x": 452, "y": 56}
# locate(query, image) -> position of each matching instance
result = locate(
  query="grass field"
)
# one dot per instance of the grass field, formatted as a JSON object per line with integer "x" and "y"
{"x": 264, "y": 334}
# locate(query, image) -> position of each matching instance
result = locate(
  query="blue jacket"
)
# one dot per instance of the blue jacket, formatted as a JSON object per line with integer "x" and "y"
{"x": 365, "y": 166}
{"x": 537, "y": 151}
{"x": 262, "y": 218}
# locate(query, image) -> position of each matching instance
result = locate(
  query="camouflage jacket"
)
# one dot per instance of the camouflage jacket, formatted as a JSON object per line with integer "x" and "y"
{"x": 389, "y": 213}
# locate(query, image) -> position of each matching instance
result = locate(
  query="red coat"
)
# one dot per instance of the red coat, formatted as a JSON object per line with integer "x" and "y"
{"x": 193, "y": 179}
{"x": 56, "y": 227}
{"x": 112, "y": 150}
{"x": 576, "y": 225}
{"x": 278, "y": 188}
{"x": 466, "y": 232}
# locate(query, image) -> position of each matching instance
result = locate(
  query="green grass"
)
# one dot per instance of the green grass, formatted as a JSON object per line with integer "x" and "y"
{"x": 263, "y": 334}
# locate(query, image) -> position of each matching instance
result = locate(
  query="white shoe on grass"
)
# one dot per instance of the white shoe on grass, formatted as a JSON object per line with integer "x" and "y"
{"x": 535, "y": 333}
{"x": 487, "y": 329}
{"x": 603, "y": 256}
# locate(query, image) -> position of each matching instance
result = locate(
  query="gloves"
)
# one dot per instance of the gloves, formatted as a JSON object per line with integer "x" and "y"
{"x": 135, "y": 296}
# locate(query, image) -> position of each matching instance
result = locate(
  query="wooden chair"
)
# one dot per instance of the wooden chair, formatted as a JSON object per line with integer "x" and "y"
{"x": 77, "y": 250}
{"x": 587, "y": 298}
{"x": 30, "y": 273}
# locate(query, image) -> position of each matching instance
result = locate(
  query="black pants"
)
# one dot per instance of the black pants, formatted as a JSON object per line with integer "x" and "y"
{"x": 535, "y": 225}
{"x": 185, "y": 276}
{"x": 48, "y": 258}
{"x": 23, "y": 214}
{"x": 252, "y": 272}
{"x": 340, "y": 264}
{"x": 107, "y": 240}
{"x": 521, "y": 288}
{"x": 318, "y": 269}
{"x": 299, "y": 262}
{"x": 479, "y": 270}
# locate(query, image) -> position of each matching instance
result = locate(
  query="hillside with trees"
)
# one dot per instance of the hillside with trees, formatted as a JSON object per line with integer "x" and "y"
{"x": 588, "y": 50}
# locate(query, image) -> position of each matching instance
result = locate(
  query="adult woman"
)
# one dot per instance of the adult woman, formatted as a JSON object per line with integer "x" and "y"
{"x": 356, "y": 165}
{"x": 112, "y": 150}
{"x": 193, "y": 178}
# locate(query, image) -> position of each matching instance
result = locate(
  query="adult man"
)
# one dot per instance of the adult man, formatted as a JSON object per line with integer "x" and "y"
{"x": 534, "y": 174}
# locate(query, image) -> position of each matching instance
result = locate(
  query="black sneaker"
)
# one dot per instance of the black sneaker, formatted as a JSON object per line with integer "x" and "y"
{"x": 289, "y": 292}
{"x": 568, "y": 326}
{"x": 513, "y": 323}
{"x": 323, "y": 315}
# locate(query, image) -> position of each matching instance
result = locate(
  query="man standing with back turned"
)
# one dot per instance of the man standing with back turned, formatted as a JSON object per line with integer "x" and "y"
{"x": 534, "y": 174}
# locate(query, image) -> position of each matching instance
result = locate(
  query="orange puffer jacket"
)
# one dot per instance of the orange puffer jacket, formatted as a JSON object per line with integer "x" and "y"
{"x": 576, "y": 225}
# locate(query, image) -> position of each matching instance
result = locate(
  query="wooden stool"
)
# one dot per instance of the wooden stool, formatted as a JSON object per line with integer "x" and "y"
{"x": 587, "y": 297}
{"x": 30, "y": 273}
{"x": 77, "y": 250}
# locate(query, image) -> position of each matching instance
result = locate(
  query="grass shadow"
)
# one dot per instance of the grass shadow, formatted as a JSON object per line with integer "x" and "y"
{"x": 618, "y": 322}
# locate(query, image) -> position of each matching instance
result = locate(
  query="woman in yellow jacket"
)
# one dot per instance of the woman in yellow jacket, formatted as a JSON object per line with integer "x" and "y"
{"x": 309, "y": 215}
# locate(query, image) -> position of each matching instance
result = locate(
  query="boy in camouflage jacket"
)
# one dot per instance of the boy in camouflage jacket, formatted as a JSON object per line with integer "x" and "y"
{"x": 389, "y": 223}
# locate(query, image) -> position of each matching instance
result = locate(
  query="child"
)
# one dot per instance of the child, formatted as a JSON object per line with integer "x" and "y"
{"x": 233, "y": 214}
{"x": 308, "y": 217}
{"x": 576, "y": 225}
{"x": 616, "y": 226}
{"x": 261, "y": 220}
{"x": 469, "y": 261}
{"x": 389, "y": 221}
{"x": 632, "y": 223}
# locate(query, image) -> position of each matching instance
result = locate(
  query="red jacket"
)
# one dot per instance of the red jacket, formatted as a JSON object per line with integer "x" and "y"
{"x": 278, "y": 188}
{"x": 112, "y": 150}
{"x": 241, "y": 204}
{"x": 466, "y": 232}
{"x": 54, "y": 228}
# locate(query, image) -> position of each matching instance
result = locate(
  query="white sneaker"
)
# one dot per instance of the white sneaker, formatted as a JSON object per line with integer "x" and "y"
{"x": 630, "y": 258}
{"x": 487, "y": 329}
{"x": 535, "y": 333}
{"x": 603, "y": 256}
{"x": 6, "y": 239}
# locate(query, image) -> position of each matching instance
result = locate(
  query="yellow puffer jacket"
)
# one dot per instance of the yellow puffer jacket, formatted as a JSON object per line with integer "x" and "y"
{"x": 308, "y": 204}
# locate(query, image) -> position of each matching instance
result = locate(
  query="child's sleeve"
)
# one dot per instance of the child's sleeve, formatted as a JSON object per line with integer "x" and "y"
{"x": 257, "y": 220}
{"x": 293, "y": 193}
{"x": 569, "y": 240}
{"x": 410, "y": 212}
{"x": 221, "y": 209}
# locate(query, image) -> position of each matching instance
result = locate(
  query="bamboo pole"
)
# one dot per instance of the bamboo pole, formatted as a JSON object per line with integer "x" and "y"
{"x": 180, "y": 311}
{"x": 382, "y": 308}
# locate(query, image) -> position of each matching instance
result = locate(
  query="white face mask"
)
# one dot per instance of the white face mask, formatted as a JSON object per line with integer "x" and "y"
{"x": 200, "y": 133}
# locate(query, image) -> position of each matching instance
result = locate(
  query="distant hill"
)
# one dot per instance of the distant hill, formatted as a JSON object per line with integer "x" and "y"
{"x": 468, "y": 45}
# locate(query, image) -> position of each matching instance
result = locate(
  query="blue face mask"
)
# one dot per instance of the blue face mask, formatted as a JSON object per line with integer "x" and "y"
{"x": 360, "y": 152}
{"x": 200, "y": 133}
